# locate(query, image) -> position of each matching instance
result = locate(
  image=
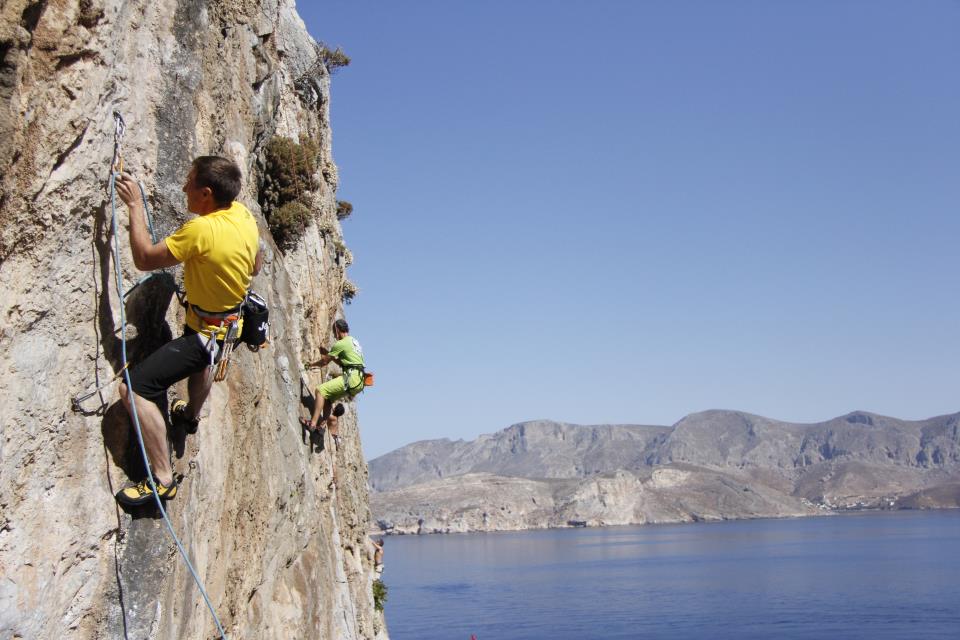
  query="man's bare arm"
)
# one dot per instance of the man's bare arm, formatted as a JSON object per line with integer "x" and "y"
{"x": 324, "y": 360}
{"x": 258, "y": 261}
{"x": 146, "y": 255}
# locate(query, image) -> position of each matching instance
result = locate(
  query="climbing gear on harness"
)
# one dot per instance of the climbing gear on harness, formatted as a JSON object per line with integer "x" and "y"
{"x": 154, "y": 489}
{"x": 142, "y": 492}
{"x": 211, "y": 346}
{"x": 364, "y": 376}
{"x": 256, "y": 322}
{"x": 228, "y": 343}
{"x": 178, "y": 417}
{"x": 218, "y": 319}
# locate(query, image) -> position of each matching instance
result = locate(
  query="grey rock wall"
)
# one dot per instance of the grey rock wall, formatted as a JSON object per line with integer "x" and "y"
{"x": 710, "y": 465}
{"x": 536, "y": 449}
{"x": 280, "y": 550}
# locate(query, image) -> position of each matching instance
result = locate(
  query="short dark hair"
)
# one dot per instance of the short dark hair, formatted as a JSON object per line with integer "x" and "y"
{"x": 223, "y": 176}
{"x": 341, "y": 326}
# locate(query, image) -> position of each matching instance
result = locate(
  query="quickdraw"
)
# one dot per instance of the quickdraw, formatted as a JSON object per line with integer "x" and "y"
{"x": 76, "y": 402}
{"x": 215, "y": 323}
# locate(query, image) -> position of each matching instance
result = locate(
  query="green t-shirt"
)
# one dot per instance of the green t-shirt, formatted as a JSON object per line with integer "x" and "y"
{"x": 347, "y": 351}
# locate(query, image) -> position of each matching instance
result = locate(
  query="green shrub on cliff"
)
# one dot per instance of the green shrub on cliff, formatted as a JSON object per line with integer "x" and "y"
{"x": 379, "y": 594}
{"x": 288, "y": 223}
{"x": 290, "y": 171}
{"x": 344, "y": 209}
{"x": 289, "y": 178}
{"x": 332, "y": 59}
{"x": 348, "y": 291}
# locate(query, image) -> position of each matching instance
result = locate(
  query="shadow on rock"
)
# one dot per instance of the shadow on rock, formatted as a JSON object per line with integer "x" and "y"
{"x": 123, "y": 448}
{"x": 146, "y": 310}
{"x": 121, "y": 442}
{"x": 308, "y": 402}
{"x": 145, "y": 307}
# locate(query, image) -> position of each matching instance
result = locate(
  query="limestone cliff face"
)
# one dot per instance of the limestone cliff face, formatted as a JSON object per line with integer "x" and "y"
{"x": 281, "y": 552}
{"x": 535, "y": 449}
{"x": 485, "y": 502}
{"x": 710, "y": 465}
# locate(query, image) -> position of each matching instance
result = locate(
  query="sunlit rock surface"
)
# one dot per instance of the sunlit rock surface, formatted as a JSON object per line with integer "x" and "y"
{"x": 281, "y": 553}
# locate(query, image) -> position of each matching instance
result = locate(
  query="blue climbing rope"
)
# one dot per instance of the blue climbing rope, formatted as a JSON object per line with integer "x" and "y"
{"x": 126, "y": 369}
{"x": 153, "y": 238}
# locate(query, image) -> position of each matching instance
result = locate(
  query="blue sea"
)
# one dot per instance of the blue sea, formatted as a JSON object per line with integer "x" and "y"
{"x": 872, "y": 575}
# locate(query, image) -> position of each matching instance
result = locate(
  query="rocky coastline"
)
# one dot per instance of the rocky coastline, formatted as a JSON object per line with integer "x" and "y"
{"x": 714, "y": 465}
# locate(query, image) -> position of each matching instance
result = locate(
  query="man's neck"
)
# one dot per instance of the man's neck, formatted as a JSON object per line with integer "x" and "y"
{"x": 207, "y": 209}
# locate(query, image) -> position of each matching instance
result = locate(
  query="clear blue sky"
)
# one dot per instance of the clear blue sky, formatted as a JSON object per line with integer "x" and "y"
{"x": 630, "y": 211}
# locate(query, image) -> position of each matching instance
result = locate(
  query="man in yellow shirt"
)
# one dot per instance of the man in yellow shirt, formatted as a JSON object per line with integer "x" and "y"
{"x": 220, "y": 253}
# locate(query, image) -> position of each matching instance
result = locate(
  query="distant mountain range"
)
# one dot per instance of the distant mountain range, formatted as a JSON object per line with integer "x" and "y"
{"x": 710, "y": 465}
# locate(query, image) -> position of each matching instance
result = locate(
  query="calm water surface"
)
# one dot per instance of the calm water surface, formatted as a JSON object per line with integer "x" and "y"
{"x": 878, "y": 575}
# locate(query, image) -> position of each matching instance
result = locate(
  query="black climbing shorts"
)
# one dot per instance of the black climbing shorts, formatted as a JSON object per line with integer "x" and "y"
{"x": 171, "y": 363}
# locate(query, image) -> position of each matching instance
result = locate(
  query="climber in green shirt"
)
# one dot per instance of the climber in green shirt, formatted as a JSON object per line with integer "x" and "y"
{"x": 347, "y": 353}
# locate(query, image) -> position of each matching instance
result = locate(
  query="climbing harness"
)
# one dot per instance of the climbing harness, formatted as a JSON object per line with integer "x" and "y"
{"x": 365, "y": 379}
{"x": 232, "y": 331}
{"x": 254, "y": 314}
{"x": 215, "y": 322}
{"x": 116, "y": 166}
{"x": 216, "y": 318}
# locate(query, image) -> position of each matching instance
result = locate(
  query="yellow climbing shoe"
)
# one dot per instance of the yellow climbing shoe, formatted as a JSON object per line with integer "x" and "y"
{"x": 141, "y": 493}
{"x": 178, "y": 417}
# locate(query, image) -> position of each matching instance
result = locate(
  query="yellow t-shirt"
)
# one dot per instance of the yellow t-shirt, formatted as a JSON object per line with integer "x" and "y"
{"x": 217, "y": 251}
